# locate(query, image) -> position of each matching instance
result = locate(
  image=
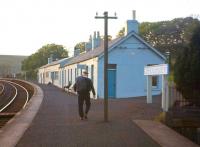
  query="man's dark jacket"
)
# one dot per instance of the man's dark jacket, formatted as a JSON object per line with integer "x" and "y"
{"x": 83, "y": 84}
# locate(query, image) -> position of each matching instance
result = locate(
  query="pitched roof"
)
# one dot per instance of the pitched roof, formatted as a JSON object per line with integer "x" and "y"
{"x": 99, "y": 51}
{"x": 92, "y": 53}
{"x": 62, "y": 62}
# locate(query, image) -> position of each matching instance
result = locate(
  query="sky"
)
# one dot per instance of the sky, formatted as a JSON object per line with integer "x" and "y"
{"x": 27, "y": 25}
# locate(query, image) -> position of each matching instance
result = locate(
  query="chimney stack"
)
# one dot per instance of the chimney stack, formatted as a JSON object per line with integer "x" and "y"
{"x": 50, "y": 59}
{"x": 132, "y": 25}
{"x": 96, "y": 40}
{"x": 94, "y": 37}
{"x": 88, "y": 45}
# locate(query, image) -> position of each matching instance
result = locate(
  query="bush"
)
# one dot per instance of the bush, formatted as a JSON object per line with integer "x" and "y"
{"x": 187, "y": 69}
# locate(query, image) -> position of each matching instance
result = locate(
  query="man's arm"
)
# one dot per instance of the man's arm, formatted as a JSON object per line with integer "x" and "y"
{"x": 74, "y": 87}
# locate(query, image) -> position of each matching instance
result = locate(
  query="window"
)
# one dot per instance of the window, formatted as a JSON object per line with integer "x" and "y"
{"x": 154, "y": 81}
{"x": 56, "y": 75}
{"x": 86, "y": 68}
{"x": 65, "y": 77}
{"x": 78, "y": 71}
{"x": 154, "y": 78}
{"x": 112, "y": 66}
{"x": 71, "y": 76}
{"x": 75, "y": 73}
{"x": 68, "y": 75}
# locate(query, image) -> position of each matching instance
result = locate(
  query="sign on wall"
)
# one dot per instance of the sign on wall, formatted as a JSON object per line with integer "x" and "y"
{"x": 160, "y": 69}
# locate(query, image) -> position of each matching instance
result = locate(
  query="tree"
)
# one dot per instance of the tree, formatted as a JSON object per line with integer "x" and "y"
{"x": 188, "y": 31}
{"x": 169, "y": 35}
{"x": 121, "y": 33}
{"x": 187, "y": 69}
{"x": 81, "y": 46}
{"x": 36, "y": 60}
{"x": 109, "y": 37}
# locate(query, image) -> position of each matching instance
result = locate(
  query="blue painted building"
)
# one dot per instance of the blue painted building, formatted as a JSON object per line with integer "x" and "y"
{"x": 127, "y": 57}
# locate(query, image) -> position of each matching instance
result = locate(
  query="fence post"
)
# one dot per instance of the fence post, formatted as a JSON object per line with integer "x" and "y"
{"x": 149, "y": 89}
{"x": 167, "y": 98}
{"x": 198, "y": 136}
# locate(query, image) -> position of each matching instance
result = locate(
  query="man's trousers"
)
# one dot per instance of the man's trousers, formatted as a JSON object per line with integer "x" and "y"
{"x": 83, "y": 97}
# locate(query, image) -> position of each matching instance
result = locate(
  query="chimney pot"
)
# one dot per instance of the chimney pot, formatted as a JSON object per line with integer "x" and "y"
{"x": 94, "y": 35}
{"x": 98, "y": 34}
{"x": 134, "y": 15}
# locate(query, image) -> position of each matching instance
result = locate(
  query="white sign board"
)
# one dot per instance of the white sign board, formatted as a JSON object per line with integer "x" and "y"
{"x": 160, "y": 69}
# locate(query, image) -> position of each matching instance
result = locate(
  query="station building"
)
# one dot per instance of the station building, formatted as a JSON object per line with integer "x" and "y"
{"x": 127, "y": 57}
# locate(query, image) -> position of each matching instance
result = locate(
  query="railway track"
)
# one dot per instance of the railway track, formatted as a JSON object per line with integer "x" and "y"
{"x": 1, "y": 89}
{"x": 14, "y": 96}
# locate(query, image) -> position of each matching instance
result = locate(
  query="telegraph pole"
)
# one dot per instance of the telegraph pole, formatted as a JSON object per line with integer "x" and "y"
{"x": 105, "y": 17}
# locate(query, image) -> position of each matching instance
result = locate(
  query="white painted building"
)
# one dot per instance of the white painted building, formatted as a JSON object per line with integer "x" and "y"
{"x": 52, "y": 72}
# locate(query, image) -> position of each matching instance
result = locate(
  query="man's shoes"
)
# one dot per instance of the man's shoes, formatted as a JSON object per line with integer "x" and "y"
{"x": 85, "y": 116}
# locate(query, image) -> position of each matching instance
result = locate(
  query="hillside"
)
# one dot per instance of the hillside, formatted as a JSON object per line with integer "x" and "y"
{"x": 10, "y": 64}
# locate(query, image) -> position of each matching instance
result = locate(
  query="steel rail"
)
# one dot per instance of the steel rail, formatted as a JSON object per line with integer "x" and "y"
{"x": 27, "y": 94}
{"x": 12, "y": 98}
{"x": 2, "y": 88}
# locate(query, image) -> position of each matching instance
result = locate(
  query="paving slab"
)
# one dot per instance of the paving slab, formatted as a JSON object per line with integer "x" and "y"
{"x": 57, "y": 123}
{"x": 163, "y": 135}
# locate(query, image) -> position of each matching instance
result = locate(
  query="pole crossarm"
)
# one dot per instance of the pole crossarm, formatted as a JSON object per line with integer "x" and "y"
{"x": 105, "y": 17}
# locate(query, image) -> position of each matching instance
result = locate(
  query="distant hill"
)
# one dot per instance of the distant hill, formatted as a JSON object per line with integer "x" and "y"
{"x": 10, "y": 64}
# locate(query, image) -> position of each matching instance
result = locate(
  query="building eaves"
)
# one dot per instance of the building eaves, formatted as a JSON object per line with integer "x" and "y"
{"x": 99, "y": 51}
{"x": 61, "y": 62}
{"x": 91, "y": 54}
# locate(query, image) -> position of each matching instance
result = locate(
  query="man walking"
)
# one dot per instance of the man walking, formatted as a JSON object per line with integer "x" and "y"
{"x": 83, "y": 86}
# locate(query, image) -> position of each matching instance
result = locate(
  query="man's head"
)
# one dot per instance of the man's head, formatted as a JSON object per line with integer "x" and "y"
{"x": 85, "y": 73}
